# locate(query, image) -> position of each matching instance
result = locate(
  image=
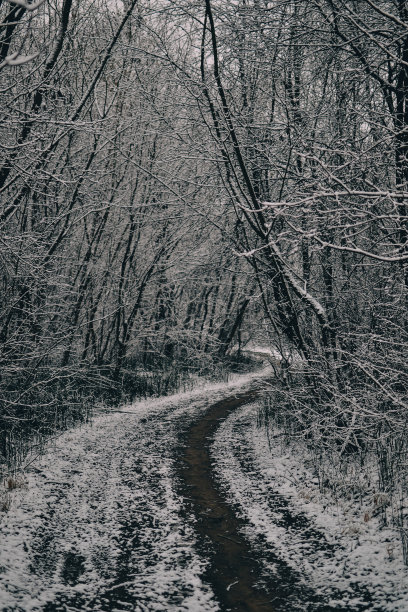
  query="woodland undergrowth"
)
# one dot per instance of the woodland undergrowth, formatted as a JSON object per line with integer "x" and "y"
{"x": 364, "y": 462}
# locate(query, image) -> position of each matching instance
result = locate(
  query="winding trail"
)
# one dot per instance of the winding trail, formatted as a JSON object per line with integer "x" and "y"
{"x": 131, "y": 513}
{"x": 234, "y": 572}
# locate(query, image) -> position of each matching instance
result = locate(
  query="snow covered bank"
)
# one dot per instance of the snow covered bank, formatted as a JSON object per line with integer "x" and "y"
{"x": 331, "y": 542}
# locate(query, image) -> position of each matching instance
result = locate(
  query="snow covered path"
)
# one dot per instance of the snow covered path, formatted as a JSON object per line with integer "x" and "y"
{"x": 235, "y": 569}
{"x": 106, "y": 521}
{"x": 99, "y": 524}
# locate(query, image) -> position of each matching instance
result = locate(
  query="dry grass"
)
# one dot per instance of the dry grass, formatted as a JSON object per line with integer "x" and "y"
{"x": 15, "y": 482}
{"x": 10, "y": 483}
{"x": 5, "y": 503}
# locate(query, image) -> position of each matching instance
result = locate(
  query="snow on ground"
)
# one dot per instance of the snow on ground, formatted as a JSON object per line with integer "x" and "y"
{"x": 347, "y": 559}
{"x": 203, "y": 391}
{"x": 259, "y": 351}
{"x": 97, "y": 524}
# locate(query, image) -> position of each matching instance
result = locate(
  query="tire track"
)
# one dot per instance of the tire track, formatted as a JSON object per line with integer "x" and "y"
{"x": 299, "y": 530}
{"x": 234, "y": 571}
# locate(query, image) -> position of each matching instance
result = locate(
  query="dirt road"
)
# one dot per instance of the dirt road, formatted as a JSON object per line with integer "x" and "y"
{"x": 128, "y": 514}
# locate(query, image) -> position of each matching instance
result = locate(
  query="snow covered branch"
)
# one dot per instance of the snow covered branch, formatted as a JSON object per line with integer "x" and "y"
{"x": 28, "y": 6}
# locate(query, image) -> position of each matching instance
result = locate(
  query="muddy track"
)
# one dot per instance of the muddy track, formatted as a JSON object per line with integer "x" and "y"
{"x": 314, "y": 543}
{"x": 132, "y": 514}
{"x": 234, "y": 572}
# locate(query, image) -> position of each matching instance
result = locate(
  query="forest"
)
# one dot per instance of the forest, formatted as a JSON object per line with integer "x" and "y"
{"x": 182, "y": 178}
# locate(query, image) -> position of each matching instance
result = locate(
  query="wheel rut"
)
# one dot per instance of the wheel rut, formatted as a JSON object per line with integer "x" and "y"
{"x": 234, "y": 571}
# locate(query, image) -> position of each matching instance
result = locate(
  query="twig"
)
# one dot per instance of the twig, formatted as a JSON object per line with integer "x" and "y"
{"x": 232, "y": 584}
{"x": 227, "y": 538}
